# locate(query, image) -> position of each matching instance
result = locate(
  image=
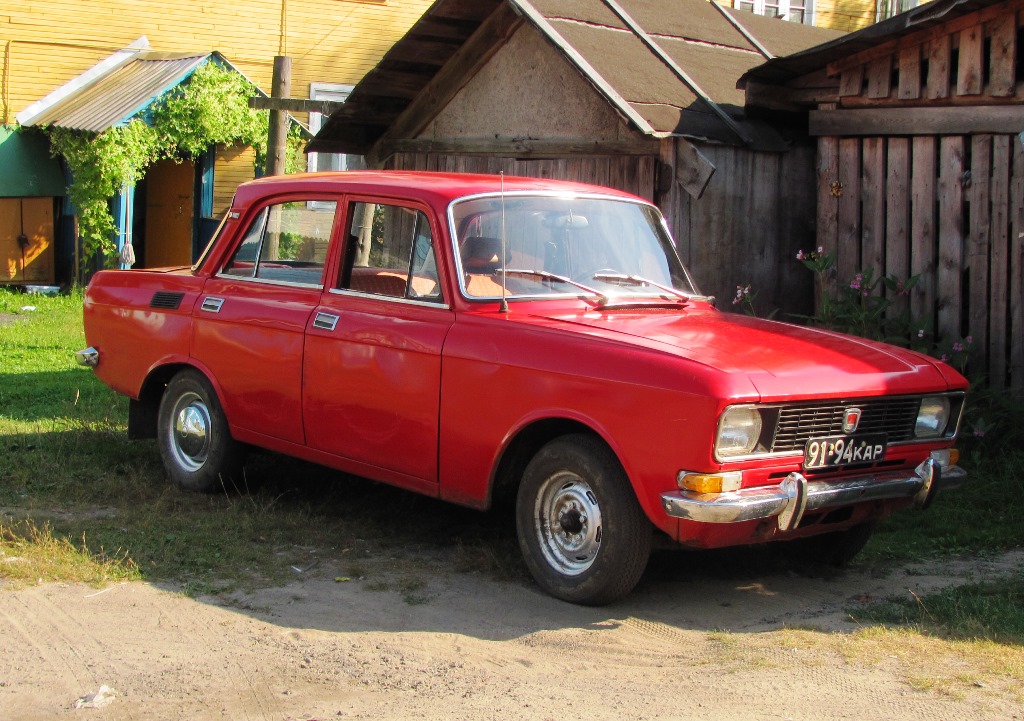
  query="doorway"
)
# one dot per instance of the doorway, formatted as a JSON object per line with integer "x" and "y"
{"x": 165, "y": 209}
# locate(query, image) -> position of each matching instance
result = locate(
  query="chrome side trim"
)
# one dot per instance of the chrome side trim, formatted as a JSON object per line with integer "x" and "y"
{"x": 326, "y": 321}
{"x": 90, "y": 357}
{"x": 389, "y": 298}
{"x": 211, "y": 304}
{"x": 785, "y": 500}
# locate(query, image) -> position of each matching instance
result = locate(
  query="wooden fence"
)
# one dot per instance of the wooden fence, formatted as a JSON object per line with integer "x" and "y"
{"x": 949, "y": 209}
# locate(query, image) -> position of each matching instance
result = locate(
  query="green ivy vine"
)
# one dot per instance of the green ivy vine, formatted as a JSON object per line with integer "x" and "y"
{"x": 212, "y": 108}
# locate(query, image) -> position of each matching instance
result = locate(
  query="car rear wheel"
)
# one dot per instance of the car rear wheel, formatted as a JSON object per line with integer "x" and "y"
{"x": 196, "y": 447}
{"x": 582, "y": 532}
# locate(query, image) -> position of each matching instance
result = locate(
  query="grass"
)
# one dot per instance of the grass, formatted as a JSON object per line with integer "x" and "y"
{"x": 992, "y": 611}
{"x": 78, "y": 501}
{"x": 73, "y": 486}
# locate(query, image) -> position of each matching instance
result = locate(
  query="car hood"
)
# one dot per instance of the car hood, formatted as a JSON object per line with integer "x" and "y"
{"x": 780, "y": 360}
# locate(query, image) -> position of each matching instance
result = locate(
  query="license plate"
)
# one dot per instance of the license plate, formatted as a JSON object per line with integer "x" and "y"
{"x": 839, "y": 451}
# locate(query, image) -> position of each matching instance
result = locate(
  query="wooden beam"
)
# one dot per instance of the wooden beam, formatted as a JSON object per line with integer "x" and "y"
{"x": 917, "y": 121}
{"x": 492, "y": 34}
{"x": 277, "y": 140}
{"x": 520, "y": 147}
{"x": 296, "y": 105}
{"x": 775, "y": 97}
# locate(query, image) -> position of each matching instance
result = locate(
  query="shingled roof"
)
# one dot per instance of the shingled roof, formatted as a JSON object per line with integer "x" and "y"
{"x": 668, "y": 68}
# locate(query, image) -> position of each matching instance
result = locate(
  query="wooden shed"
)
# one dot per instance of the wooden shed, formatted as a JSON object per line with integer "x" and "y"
{"x": 634, "y": 94}
{"x": 920, "y": 128}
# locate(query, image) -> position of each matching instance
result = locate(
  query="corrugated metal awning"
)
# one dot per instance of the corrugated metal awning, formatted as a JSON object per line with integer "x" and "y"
{"x": 116, "y": 97}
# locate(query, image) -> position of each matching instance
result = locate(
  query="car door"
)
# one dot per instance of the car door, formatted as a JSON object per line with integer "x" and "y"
{"x": 372, "y": 364}
{"x": 250, "y": 322}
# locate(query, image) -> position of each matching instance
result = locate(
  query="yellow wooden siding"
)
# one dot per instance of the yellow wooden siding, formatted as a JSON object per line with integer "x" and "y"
{"x": 845, "y": 15}
{"x": 45, "y": 44}
{"x": 234, "y": 165}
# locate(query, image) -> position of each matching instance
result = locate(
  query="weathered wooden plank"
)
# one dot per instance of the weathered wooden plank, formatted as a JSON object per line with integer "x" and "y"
{"x": 666, "y": 189}
{"x": 923, "y": 37}
{"x": 917, "y": 121}
{"x": 519, "y": 147}
{"x": 851, "y": 82}
{"x": 796, "y": 231}
{"x": 873, "y": 199}
{"x": 923, "y": 204}
{"x": 951, "y": 236}
{"x": 978, "y": 241}
{"x": 998, "y": 300}
{"x": 969, "y": 67}
{"x": 1016, "y": 268}
{"x": 909, "y": 87}
{"x": 1002, "y": 57}
{"x": 879, "y": 76}
{"x": 937, "y": 83}
{"x": 897, "y": 216}
{"x": 848, "y": 246}
{"x": 829, "y": 191}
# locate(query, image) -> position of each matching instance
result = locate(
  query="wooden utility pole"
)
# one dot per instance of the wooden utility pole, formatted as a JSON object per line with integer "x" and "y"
{"x": 277, "y": 142}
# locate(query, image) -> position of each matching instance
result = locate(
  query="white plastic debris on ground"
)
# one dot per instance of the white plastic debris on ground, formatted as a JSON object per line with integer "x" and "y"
{"x": 101, "y": 698}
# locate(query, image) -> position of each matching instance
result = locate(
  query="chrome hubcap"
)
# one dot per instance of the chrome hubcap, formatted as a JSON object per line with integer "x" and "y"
{"x": 568, "y": 523}
{"x": 190, "y": 435}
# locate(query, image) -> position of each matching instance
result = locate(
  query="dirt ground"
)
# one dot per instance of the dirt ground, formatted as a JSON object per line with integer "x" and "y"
{"x": 696, "y": 640}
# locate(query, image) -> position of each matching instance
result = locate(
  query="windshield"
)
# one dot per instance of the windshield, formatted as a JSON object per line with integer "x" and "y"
{"x": 558, "y": 245}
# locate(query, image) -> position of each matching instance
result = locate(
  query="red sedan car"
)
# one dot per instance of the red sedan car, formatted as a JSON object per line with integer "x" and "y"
{"x": 476, "y": 338}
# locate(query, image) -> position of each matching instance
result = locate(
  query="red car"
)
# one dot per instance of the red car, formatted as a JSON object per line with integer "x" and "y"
{"x": 476, "y": 338}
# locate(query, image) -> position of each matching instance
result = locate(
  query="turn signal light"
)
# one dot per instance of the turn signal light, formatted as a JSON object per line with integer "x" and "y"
{"x": 710, "y": 482}
{"x": 946, "y": 458}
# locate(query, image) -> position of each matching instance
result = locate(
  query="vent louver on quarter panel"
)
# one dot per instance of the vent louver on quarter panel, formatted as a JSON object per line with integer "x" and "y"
{"x": 167, "y": 300}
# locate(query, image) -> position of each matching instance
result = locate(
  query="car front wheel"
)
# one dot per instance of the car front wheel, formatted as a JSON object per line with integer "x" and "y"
{"x": 196, "y": 447}
{"x": 582, "y": 532}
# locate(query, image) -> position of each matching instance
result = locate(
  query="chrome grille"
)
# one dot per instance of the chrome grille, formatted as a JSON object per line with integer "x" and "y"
{"x": 799, "y": 423}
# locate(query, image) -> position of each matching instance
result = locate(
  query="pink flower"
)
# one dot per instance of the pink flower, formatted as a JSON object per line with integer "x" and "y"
{"x": 944, "y": 358}
{"x": 800, "y": 255}
{"x": 855, "y": 283}
{"x": 958, "y": 347}
{"x": 969, "y": 339}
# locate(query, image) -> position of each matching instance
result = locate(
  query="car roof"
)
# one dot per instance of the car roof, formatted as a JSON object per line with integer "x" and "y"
{"x": 440, "y": 188}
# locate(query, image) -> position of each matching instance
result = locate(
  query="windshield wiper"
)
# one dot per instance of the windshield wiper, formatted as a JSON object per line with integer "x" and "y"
{"x": 640, "y": 280}
{"x": 602, "y": 299}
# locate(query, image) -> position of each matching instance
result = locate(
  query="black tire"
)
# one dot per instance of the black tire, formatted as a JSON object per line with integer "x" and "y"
{"x": 833, "y": 549}
{"x": 196, "y": 447}
{"x": 582, "y": 532}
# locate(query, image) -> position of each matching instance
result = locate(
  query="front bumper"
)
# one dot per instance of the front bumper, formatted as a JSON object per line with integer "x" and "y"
{"x": 789, "y": 500}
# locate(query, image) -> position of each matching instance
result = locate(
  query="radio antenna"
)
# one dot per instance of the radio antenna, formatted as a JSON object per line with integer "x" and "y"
{"x": 503, "y": 306}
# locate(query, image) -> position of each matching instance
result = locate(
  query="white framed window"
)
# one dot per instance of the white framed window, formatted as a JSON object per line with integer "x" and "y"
{"x": 885, "y": 9}
{"x": 798, "y": 11}
{"x": 330, "y": 161}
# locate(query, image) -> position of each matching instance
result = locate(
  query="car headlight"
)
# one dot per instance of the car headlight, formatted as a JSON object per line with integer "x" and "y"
{"x": 932, "y": 418}
{"x": 738, "y": 432}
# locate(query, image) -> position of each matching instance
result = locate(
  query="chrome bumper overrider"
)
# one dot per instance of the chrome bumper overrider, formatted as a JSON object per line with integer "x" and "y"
{"x": 89, "y": 357}
{"x": 789, "y": 500}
